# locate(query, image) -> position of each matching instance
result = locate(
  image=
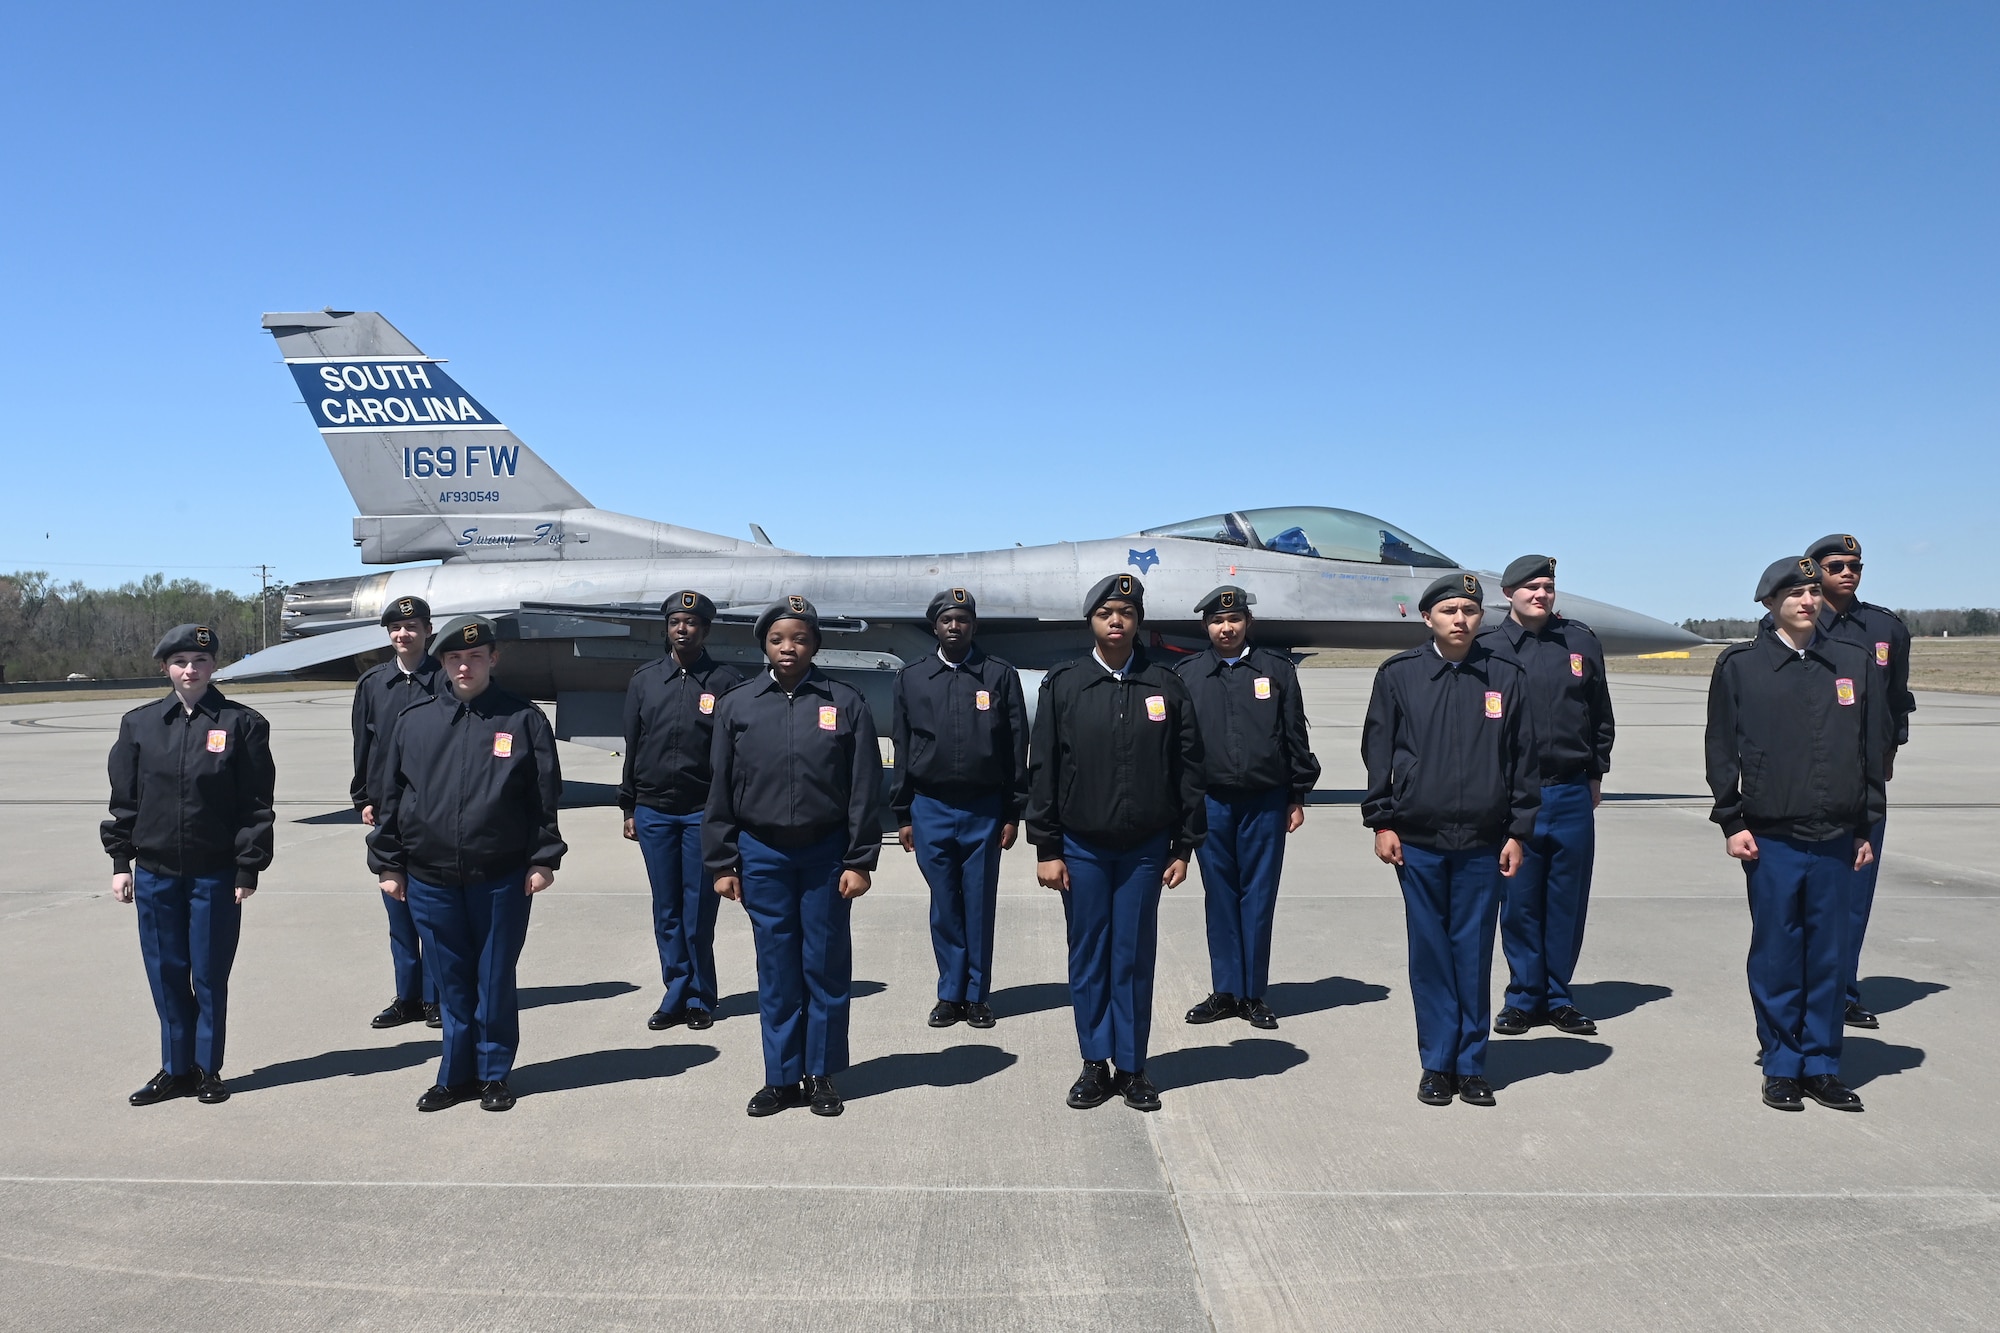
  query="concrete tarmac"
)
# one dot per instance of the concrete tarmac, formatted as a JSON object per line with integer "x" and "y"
{"x": 1291, "y": 1182}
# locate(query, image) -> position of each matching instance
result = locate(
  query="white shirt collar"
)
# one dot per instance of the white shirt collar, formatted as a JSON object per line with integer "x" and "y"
{"x": 955, "y": 666}
{"x": 1120, "y": 673}
{"x": 1447, "y": 661}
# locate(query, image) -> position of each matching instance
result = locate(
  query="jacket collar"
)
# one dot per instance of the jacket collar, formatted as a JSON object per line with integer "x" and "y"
{"x": 1215, "y": 660}
{"x": 211, "y": 702}
{"x": 1777, "y": 652}
{"x": 1474, "y": 660}
{"x": 702, "y": 664}
{"x": 974, "y": 660}
{"x": 816, "y": 681}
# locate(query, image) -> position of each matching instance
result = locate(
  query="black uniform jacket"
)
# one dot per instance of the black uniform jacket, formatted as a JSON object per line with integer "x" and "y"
{"x": 960, "y": 733}
{"x": 1115, "y": 762}
{"x": 1882, "y": 635}
{"x": 1450, "y": 751}
{"x": 1795, "y": 745}
{"x": 1253, "y": 723}
{"x": 669, "y": 731}
{"x": 469, "y": 791}
{"x": 380, "y": 695}
{"x": 1565, "y": 663}
{"x": 191, "y": 792}
{"x": 791, "y": 769}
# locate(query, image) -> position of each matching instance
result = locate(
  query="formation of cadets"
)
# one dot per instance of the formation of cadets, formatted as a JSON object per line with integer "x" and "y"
{"x": 1485, "y": 749}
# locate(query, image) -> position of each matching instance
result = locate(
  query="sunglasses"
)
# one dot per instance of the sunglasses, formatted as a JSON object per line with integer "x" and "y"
{"x": 1840, "y": 566}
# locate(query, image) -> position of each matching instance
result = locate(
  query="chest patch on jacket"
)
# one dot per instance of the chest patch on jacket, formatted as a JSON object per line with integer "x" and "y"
{"x": 707, "y": 704}
{"x": 503, "y": 744}
{"x": 1881, "y": 654}
{"x": 1843, "y": 690}
{"x": 1262, "y": 687}
{"x": 1576, "y": 665}
{"x": 1492, "y": 703}
{"x": 218, "y": 741}
{"x": 1156, "y": 707}
{"x": 983, "y": 701}
{"x": 829, "y": 717}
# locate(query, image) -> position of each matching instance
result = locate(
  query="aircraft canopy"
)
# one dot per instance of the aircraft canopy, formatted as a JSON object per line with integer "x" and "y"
{"x": 1325, "y": 534}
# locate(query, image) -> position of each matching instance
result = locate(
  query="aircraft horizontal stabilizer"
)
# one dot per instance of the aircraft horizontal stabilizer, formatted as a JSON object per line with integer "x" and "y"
{"x": 294, "y": 655}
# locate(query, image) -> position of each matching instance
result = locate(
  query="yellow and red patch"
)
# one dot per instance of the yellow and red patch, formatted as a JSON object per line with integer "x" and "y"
{"x": 503, "y": 744}
{"x": 829, "y": 717}
{"x": 1493, "y": 703}
{"x": 218, "y": 741}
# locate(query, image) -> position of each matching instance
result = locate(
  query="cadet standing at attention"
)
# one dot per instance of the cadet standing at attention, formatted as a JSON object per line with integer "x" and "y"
{"x": 384, "y": 691}
{"x": 1114, "y": 811}
{"x": 792, "y": 831}
{"x": 1541, "y": 921}
{"x": 960, "y": 726}
{"x": 467, "y": 835}
{"x": 1795, "y": 749}
{"x": 190, "y": 828}
{"x": 669, "y": 731}
{"x": 1881, "y": 634}
{"x": 1449, "y": 744}
{"x": 1260, "y": 765}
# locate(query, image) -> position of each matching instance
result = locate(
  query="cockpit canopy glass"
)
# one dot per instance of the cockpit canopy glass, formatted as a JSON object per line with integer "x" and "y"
{"x": 1325, "y": 534}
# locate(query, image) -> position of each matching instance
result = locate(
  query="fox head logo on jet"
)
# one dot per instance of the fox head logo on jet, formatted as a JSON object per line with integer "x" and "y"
{"x": 1143, "y": 560}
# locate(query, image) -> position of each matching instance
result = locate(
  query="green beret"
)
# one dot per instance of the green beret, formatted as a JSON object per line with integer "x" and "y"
{"x": 405, "y": 608}
{"x": 1838, "y": 543}
{"x": 794, "y": 607}
{"x": 1528, "y": 568}
{"x": 1228, "y": 597}
{"x": 187, "y": 639}
{"x": 1449, "y": 586}
{"x": 462, "y": 632}
{"x": 1791, "y": 572}
{"x": 1123, "y": 587}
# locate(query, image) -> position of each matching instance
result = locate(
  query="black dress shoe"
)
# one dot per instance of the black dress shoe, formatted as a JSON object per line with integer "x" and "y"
{"x": 979, "y": 1014}
{"x": 700, "y": 1019}
{"x": 1474, "y": 1090}
{"x": 825, "y": 1098}
{"x": 666, "y": 1018}
{"x": 433, "y": 1016}
{"x": 1512, "y": 1022}
{"x": 1436, "y": 1087}
{"x": 1858, "y": 1017}
{"x": 440, "y": 1097}
{"x": 163, "y": 1087}
{"x": 1830, "y": 1092}
{"x": 1092, "y": 1086}
{"x": 1215, "y": 1008}
{"x": 1139, "y": 1092}
{"x": 495, "y": 1095}
{"x": 771, "y": 1099}
{"x": 1782, "y": 1094}
{"x": 1260, "y": 1016}
{"x": 209, "y": 1089}
{"x": 1569, "y": 1019}
{"x": 398, "y": 1013}
{"x": 946, "y": 1012}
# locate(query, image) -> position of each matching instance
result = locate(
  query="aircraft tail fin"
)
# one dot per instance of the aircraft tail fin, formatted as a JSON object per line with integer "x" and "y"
{"x": 409, "y": 441}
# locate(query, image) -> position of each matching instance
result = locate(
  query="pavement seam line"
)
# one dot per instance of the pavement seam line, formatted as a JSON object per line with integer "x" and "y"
{"x": 1180, "y": 1220}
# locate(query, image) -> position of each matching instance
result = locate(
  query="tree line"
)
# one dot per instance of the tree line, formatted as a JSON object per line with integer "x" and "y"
{"x": 1959, "y": 623}
{"x": 51, "y": 630}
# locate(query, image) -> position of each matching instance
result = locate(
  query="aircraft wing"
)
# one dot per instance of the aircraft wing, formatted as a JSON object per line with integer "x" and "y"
{"x": 299, "y": 654}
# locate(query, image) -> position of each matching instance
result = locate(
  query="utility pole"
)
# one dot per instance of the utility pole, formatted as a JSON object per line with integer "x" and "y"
{"x": 263, "y": 607}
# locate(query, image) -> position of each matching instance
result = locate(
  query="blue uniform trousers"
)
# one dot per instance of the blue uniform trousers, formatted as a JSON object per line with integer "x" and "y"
{"x": 1541, "y": 925}
{"x": 958, "y": 849}
{"x": 1860, "y": 902}
{"x": 413, "y": 983}
{"x": 472, "y": 941}
{"x": 1451, "y": 902}
{"x": 1113, "y": 913}
{"x": 684, "y": 906}
{"x": 188, "y": 928}
{"x": 805, "y": 955}
{"x": 1798, "y": 952}
{"x": 1240, "y": 865}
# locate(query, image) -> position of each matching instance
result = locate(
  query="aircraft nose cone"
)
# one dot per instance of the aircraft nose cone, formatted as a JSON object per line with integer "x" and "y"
{"x": 1624, "y": 632}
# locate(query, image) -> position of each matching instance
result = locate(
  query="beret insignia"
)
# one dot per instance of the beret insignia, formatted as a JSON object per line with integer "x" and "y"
{"x": 204, "y": 636}
{"x": 1471, "y": 586}
{"x": 1806, "y": 567}
{"x": 1847, "y": 540}
{"x": 1125, "y": 584}
{"x": 958, "y": 595}
{"x": 687, "y": 601}
{"x": 470, "y": 633}
{"x": 1226, "y": 601}
{"x": 796, "y": 602}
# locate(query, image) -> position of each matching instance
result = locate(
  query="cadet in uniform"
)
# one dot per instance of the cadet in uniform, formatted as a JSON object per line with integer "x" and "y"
{"x": 467, "y": 835}
{"x": 1881, "y": 634}
{"x": 1795, "y": 749}
{"x": 1114, "y": 811}
{"x": 1541, "y": 921}
{"x": 1449, "y": 744}
{"x": 384, "y": 691}
{"x": 1260, "y": 765}
{"x": 792, "y": 831}
{"x": 190, "y": 828}
{"x": 669, "y": 731}
{"x": 960, "y": 726}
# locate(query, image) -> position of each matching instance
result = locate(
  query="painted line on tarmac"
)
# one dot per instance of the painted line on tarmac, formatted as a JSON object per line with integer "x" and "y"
{"x": 1859, "y": 1196}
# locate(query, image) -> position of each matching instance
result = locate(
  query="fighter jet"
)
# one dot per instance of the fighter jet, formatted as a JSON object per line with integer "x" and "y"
{"x": 576, "y": 590}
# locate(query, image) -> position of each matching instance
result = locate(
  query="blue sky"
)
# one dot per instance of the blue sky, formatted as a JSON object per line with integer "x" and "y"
{"x": 1665, "y": 291}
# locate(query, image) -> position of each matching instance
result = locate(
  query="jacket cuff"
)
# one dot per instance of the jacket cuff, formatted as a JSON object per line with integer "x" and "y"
{"x": 1732, "y": 827}
{"x": 121, "y": 865}
{"x": 1182, "y": 851}
{"x": 246, "y": 879}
